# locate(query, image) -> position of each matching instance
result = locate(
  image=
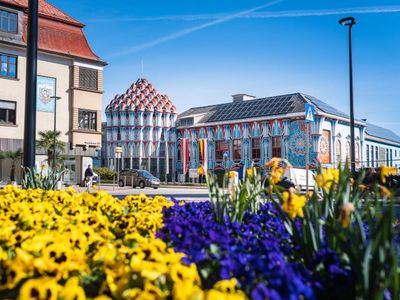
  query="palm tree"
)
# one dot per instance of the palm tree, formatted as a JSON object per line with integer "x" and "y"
{"x": 46, "y": 142}
{"x": 14, "y": 156}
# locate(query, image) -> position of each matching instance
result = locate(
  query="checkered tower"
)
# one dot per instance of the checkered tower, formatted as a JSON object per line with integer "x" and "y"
{"x": 142, "y": 122}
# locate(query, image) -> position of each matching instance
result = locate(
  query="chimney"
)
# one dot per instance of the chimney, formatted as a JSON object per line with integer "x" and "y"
{"x": 242, "y": 97}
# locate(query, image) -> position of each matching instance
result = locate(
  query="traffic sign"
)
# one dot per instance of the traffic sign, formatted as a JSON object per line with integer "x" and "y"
{"x": 310, "y": 113}
{"x": 118, "y": 149}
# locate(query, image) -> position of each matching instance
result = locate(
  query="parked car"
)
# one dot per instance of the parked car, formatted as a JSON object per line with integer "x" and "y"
{"x": 298, "y": 177}
{"x": 140, "y": 178}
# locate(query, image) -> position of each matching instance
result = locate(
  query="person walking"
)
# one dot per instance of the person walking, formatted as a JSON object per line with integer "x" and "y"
{"x": 88, "y": 177}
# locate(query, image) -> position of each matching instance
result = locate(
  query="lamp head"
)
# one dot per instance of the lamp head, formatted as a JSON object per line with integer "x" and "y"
{"x": 348, "y": 21}
{"x": 55, "y": 97}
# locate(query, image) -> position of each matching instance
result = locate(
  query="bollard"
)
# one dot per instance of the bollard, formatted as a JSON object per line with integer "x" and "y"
{"x": 124, "y": 180}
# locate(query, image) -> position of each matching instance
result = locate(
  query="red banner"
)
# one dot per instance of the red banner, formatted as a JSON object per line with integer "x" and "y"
{"x": 185, "y": 155}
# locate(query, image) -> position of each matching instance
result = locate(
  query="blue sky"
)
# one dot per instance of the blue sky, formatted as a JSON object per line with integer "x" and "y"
{"x": 202, "y": 52}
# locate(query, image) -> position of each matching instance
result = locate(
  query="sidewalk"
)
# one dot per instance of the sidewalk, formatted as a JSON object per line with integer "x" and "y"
{"x": 162, "y": 185}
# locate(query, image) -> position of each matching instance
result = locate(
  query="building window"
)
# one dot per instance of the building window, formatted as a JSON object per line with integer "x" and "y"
{"x": 220, "y": 148}
{"x": 8, "y": 21}
{"x": 8, "y": 65}
{"x": 88, "y": 79}
{"x": 372, "y": 157}
{"x": 357, "y": 153}
{"x": 391, "y": 157}
{"x": 256, "y": 149}
{"x": 276, "y": 146}
{"x": 87, "y": 120}
{"x": 338, "y": 151}
{"x": 367, "y": 155}
{"x": 387, "y": 157}
{"x": 348, "y": 156}
{"x": 237, "y": 149}
{"x": 8, "y": 112}
{"x": 186, "y": 122}
{"x": 376, "y": 156}
{"x": 161, "y": 152}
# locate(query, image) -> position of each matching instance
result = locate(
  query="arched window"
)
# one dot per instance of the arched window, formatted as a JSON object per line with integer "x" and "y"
{"x": 338, "y": 151}
{"x": 348, "y": 151}
{"x": 357, "y": 158}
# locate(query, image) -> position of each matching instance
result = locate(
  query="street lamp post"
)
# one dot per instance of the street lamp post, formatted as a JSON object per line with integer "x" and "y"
{"x": 349, "y": 22}
{"x": 55, "y": 98}
{"x": 30, "y": 89}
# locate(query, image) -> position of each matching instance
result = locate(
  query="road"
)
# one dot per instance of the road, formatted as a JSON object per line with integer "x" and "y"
{"x": 179, "y": 193}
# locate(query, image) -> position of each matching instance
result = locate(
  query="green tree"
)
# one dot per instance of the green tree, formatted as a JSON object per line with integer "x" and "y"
{"x": 46, "y": 142}
{"x": 14, "y": 156}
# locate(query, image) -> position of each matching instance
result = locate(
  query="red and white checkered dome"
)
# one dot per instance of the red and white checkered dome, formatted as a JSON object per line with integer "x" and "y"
{"x": 141, "y": 96}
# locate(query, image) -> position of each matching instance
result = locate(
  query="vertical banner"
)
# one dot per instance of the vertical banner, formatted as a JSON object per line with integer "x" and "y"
{"x": 203, "y": 153}
{"x": 166, "y": 158}
{"x": 46, "y": 88}
{"x": 185, "y": 154}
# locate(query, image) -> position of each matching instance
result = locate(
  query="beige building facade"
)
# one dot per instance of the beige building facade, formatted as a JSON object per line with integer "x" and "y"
{"x": 67, "y": 68}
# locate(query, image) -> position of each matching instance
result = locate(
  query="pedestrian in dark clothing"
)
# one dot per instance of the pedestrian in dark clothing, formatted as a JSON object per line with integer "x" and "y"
{"x": 89, "y": 171}
{"x": 88, "y": 177}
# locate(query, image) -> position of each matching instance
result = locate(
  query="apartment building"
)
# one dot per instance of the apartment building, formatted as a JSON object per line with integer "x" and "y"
{"x": 67, "y": 68}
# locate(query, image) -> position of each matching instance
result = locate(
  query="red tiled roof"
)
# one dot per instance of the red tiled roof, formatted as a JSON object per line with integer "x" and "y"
{"x": 58, "y": 32}
{"x": 62, "y": 38}
{"x": 45, "y": 10}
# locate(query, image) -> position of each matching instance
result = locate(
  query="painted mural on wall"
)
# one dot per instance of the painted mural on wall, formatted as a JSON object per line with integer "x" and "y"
{"x": 324, "y": 147}
{"x": 297, "y": 145}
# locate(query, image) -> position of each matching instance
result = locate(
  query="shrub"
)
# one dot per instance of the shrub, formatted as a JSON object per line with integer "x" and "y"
{"x": 105, "y": 173}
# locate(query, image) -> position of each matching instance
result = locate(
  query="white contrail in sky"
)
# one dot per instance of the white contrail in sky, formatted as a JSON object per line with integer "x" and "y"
{"x": 256, "y": 15}
{"x": 187, "y": 31}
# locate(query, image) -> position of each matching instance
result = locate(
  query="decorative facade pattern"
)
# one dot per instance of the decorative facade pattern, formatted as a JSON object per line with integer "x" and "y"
{"x": 142, "y": 122}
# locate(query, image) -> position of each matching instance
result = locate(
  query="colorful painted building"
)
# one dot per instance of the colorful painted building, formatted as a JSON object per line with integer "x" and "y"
{"x": 244, "y": 132}
{"x": 142, "y": 122}
{"x": 250, "y": 131}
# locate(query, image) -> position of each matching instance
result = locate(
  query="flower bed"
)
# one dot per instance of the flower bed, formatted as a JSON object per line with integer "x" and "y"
{"x": 336, "y": 243}
{"x": 66, "y": 245}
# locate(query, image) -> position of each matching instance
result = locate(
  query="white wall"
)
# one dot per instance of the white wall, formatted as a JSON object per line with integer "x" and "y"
{"x": 382, "y": 157}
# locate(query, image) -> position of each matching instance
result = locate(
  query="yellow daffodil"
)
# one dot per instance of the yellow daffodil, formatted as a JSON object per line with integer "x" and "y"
{"x": 386, "y": 172}
{"x": 293, "y": 204}
{"x": 385, "y": 192}
{"x": 251, "y": 172}
{"x": 327, "y": 178}
{"x": 273, "y": 163}
{"x": 276, "y": 169}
